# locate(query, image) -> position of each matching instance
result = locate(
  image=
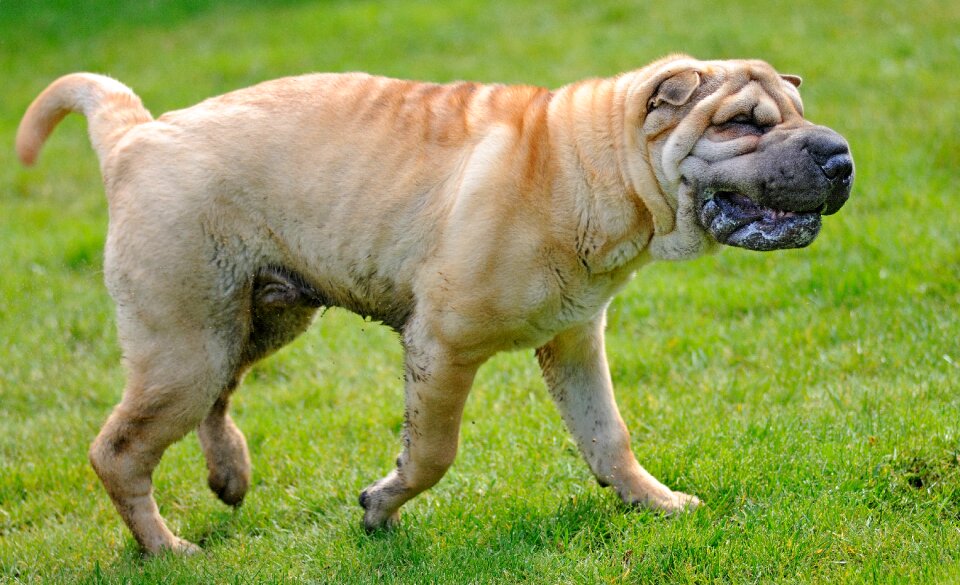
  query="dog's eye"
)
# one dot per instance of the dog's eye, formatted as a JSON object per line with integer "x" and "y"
{"x": 745, "y": 120}
{"x": 745, "y": 124}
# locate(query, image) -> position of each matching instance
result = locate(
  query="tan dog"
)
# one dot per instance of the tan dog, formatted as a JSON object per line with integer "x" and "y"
{"x": 470, "y": 218}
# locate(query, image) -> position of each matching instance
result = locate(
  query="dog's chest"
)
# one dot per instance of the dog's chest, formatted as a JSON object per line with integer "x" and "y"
{"x": 534, "y": 307}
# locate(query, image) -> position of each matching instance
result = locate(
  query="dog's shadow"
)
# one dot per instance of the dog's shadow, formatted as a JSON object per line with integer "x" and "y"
{"x": 417, "y": 546}
{"x": 511, "y": 538}
{"x": 134, "y": 564}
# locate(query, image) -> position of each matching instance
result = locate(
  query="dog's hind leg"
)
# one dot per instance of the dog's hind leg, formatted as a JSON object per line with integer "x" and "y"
{"x": 281, "y": 307}
{"x": 174, "y": 377}
{"x": 225, "y": 450}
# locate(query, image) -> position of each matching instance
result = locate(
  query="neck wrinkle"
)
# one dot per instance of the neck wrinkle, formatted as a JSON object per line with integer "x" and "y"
{"x": 594, "y": 139}
{"x": 625, "y": 140}
{"x": 608, "y": 213}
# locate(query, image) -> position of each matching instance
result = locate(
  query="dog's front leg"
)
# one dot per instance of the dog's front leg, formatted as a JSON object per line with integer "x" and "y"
{"x": 575, "y": 368}
{"x": 437, "y": 385}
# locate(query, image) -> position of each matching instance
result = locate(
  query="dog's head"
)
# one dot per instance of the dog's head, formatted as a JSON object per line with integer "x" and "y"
{"x": 729, "y": 148}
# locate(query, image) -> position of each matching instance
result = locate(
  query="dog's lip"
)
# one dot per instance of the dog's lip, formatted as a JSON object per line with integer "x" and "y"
{"x": 736, "y": 220}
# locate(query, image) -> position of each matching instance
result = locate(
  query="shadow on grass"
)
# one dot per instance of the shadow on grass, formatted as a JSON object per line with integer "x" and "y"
{"x": 497, "y": 545}
{"x": 514, "y": 542}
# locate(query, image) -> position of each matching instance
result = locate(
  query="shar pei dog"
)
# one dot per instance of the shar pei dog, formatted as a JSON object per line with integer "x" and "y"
{"x": 470, "y": 218}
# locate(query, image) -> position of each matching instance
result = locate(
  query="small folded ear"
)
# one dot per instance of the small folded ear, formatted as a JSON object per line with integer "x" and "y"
{"x": 676, "y": 90}
{"x": 794, "y": 80}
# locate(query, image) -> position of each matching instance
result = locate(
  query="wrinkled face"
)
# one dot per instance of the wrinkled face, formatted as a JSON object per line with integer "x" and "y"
{"x": 731, "y": 136}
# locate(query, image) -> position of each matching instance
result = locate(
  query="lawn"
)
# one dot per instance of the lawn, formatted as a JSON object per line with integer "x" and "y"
{"x": 810, "y": 398}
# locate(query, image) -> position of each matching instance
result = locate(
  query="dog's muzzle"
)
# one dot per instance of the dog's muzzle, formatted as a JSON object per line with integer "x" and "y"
{"x": 774, "y": 197}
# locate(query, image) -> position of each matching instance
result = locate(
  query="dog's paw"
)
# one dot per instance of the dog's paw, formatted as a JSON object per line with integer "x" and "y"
{"x": 174, "y": 546}
{"x": 667, "y": 503}
{"x": 680, "y": 502}
{"x": 374, "y": 523}
{"x": 230, "y": 487}
{"x": 185, "y": 548}
{"x": 376, "y": 517}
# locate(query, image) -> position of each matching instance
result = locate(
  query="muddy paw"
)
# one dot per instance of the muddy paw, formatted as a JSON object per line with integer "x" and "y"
{"x": 373, "y": 522}
{"x": 375, "y": 517}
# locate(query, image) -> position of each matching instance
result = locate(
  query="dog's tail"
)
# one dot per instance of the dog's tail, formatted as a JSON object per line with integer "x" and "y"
{"x": 111, "y": 108}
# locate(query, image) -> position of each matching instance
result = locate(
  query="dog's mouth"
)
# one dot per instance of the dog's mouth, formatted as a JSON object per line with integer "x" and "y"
{"x": 736, "y": 220}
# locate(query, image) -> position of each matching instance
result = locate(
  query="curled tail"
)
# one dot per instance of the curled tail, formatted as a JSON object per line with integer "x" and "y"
{"x": 111, "y": 109}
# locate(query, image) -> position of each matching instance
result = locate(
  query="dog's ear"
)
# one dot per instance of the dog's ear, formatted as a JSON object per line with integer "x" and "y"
{"x": 794, "y": 80}
{"x": 676, "y": 89}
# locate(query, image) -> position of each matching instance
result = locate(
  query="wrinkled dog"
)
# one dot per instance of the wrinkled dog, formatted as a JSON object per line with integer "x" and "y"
{"x": 470, "y": 218}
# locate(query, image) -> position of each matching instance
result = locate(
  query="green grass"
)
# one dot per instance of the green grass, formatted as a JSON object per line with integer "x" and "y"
{"x": 810, "y": 398}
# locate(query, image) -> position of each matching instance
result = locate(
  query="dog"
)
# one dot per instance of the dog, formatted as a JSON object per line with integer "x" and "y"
{"x": 470, "y": 218}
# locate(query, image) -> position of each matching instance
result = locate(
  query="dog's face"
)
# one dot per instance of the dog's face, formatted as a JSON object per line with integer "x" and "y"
{"x": 730, "y": 136}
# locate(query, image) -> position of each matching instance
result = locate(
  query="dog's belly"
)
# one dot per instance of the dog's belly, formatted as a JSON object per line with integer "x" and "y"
{"x": 351, "y": 256}
{"x": 368, "y": 294}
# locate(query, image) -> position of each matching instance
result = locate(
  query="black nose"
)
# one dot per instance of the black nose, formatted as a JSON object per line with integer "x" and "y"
{"x": 830, "y": 151}
{"x": 838, "y": 167}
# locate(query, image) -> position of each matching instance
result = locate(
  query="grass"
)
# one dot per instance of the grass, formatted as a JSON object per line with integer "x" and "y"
{"x": 810, "y": 398}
